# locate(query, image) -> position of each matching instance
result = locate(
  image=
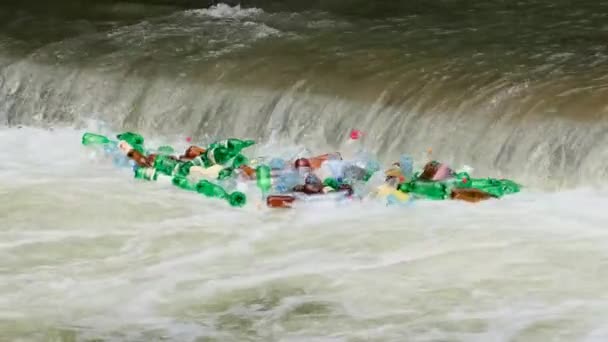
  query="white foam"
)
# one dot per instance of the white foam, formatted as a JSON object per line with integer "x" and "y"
{"x": 225, "y": 11}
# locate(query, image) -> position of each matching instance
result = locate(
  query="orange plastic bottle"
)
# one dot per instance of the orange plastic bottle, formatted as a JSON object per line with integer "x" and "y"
{"x": 315, "y": 162}
{"x": 249, "y": 171}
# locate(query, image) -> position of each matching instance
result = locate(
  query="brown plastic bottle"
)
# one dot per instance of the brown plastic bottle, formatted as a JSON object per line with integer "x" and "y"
{"x": 193, "y": 152}
{"x": 470, "y": 195}
{"x": 138, "y": 158}
{"x": 280, "y": 201}
{"x": 429, "y": 171}
{"x": 347, "y": 189}
{"x": 309, "y": 189}
{"x": 151, "y": 158}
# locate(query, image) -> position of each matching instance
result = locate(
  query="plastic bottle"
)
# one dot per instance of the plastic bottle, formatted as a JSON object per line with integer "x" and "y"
{"x": 335, "y": 167}
{"x": 398, "y": 198}
{"x": 199, "y": 161}
{"x": 229, "y": 184}
{"x": 131, "y": 138}
{"x": 280, "y": 201}
{"x": 234, "y": 145}
{"x": 509, "y": 186}
{"x": 146, "y": 173}
{"x": 219, "y": 155}
{"x": 183, "y": 183}
{"x": 239, "y": 160}
{"x": 94, "y": 139}
{"x": 151, "y": 158}
{"x": 186, "y": 167}
{"x": 134, "y": 139}
{"x": 248, "y": 171}
{"x": 211, "y": 172}
{"x": 264, "y": 181}
{"x": 124, "y": 147}
{"x": 138, "y": 158}
{"x": 470, "y": 195}
{"x": 332, "y": 183}
{"x": 431, "y": 190}
{"x": 166, "y": 165}
{"x": 406, "y": 164}
{"x": 286, "y": 181}
{"x": 316, "y": 162}
{"x": 277, "y": 164}
{"x": 206, "y": 188}
{"x": 354, "y": 173}
{"x": 309, "y": 189}
{"x": 225, "y": 173}
{"x": 495, "y": 187}
{"x": 193, "y": 152}
{"x": 209, "y": 189}
{"x": 237, "y": 199}
{"x": 458, "y": 181}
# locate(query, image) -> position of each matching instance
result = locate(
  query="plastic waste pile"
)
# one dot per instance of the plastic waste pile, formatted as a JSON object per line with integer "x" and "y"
{"x": 219, "y": 170}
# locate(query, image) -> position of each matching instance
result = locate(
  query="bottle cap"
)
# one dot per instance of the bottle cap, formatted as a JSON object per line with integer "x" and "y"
{"x": 355, "y": 134}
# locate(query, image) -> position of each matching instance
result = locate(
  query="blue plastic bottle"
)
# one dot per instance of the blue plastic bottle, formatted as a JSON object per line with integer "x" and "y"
{"x": 407, "y": 166}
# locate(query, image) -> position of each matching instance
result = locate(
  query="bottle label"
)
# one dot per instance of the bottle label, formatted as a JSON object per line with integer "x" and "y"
{"x": 211, "y": 156}
{"x": 175, "y": 169}
{"x": 125, "y": 147}
{"x": 198, "y": 161}
{"x": 150, "y": 173}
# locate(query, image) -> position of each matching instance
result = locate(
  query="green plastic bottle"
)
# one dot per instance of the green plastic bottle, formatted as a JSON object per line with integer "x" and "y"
{"x": 264, "y": 181}
{"x": 206, "y": 188}
{"x": 218, "y": 155}
{"x": 234, "y": 145}
{"x": 94, "y": 139}
{"x": 510, "y": 187}
{"x": 166, "y": 165}
{"x": 146, "y": 173}
{"x": 495, "y": 191}
{"x": 199, "y": 161}
{"x": 183, "y": 170}
{"x": 237, "y": 199}
{"x": 458, "y": 181}
{"x": 134, "y": 139}
{"x": 430, "y": 190}
{"x": 480, "y": 183}
{"x": 209, "y": 189}
{"x": 225, "y": 173}
{"x": 332, "y": 183}
{"x": 131, "y": 138}
{"x": 239, "y": 160}
{"x": 495, "y": 187}
{"x": 368, "y": 174}
{"x": 183, "y": 183}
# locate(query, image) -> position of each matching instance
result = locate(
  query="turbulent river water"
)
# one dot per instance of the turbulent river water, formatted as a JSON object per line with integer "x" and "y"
{"x": 516, "y": 90}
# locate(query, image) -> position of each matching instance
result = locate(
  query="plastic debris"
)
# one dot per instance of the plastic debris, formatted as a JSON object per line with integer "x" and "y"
{"x": 223, "y": 171}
